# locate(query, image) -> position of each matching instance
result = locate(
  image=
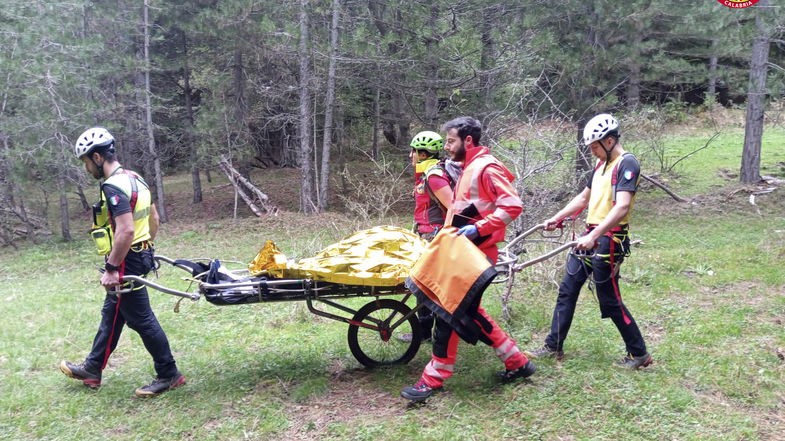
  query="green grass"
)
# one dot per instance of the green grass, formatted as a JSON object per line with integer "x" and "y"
{"x": 716, "y": 166}
{"x": 705, "y": 283}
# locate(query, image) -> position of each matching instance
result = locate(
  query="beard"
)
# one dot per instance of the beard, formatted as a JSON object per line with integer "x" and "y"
{"x": 459, "y": 154}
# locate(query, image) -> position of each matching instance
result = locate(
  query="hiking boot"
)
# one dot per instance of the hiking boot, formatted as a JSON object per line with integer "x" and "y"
{"x": 632, "y": 362}
{"x": 160, "y": 385}
{"x": 419, "y": 392}
{"x": 407, "y": 338}
{"x": 543, "y": 352}
{"x": 525, "y": 371}
{"x": 90, "y": 378}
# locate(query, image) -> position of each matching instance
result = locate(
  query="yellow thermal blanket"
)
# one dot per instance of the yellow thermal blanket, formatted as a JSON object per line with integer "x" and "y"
{"x": 380, "y": 256}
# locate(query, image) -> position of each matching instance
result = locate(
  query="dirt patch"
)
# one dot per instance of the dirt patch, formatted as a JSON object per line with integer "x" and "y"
{"x": 770, "y": 422}
{"x": 655, "y": 333}
{"x": 754, "y": 294}
{"x": 352, "y": 396}
{"x": 747, "y": 293}
{"x": 733, "y": 197}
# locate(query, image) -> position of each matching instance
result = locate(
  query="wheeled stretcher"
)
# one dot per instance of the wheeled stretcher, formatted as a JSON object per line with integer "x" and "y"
{"x": 372, "y": 328}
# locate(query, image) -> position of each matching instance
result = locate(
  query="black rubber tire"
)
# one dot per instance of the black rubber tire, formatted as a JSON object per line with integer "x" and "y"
{"x": 373, "y": 354}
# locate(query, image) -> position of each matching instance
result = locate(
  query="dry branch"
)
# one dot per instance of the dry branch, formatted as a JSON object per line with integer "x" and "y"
{"x": 259, "y": 204}
{"x": 662, "y": 187}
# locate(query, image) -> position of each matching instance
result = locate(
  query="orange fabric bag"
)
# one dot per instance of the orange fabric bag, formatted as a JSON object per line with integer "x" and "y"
{"x": 450, "y": 278}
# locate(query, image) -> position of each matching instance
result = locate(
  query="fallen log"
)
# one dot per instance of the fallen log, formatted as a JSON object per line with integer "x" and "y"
{"x": 257, "y": 201}
{"x": 662, "y": 187}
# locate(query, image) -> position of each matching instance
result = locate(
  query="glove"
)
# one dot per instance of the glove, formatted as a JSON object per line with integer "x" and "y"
{"x": 470, "y": 231}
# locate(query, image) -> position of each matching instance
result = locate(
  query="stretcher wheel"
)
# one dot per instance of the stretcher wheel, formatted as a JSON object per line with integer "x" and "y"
{"x": 372, "y": 340}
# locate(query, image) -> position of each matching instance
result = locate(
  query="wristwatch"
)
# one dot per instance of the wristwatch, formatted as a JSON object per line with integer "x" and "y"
{"x": 109, "y": 267}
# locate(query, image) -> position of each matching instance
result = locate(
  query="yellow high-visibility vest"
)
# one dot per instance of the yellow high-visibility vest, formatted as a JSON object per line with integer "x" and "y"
{"x": 129, "y": 183}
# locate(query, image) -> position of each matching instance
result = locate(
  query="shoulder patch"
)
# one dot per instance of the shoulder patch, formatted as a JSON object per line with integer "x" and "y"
{"x": 628, "y": 175}
{"x": 114, "y": 200}
{"x": 435, "y": 170}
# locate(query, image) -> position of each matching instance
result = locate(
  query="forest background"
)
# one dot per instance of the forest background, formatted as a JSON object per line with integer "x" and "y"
{"x": 336, "y": 89}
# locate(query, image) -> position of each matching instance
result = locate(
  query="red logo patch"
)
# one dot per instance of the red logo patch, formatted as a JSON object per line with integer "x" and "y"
{"x": 114, "y": 200}
{"x": 738, "y": 4}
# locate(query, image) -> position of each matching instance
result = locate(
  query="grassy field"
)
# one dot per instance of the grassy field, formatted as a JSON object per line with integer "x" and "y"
{"x": 705, "y": 282}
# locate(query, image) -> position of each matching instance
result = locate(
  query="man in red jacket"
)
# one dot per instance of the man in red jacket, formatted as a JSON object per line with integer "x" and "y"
{"x": 484, "y": 202}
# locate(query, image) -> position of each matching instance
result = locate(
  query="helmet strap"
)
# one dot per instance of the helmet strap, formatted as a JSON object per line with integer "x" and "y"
{"x": 607, "y": 152}
{"x": 99, "y": 167}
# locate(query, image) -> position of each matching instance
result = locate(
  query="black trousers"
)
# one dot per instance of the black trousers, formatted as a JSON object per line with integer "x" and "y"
{"x": 426, "y": 319}
{"x": 606, "y": 284}
{"x": 134, "y": 310}
{"x": 425, "y": 315}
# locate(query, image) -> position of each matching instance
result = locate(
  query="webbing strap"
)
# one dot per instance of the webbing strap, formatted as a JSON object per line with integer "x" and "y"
{"x": 134, "y": 189}
{"x": 615, "y": 285}
{"x": 134, "y": 195}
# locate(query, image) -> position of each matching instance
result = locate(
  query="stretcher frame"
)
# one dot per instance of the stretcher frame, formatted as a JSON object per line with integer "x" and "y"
{"x": 373, "y": 328}
{"x": 508, "y": 262}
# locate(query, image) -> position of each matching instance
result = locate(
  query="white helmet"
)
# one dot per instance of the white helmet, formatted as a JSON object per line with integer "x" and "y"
{"x": 92, "y": 138}
{"x": 598, "y": 128}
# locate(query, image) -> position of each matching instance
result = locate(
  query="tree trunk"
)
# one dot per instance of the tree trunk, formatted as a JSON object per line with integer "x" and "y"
{"x": 634, "y": 86}
{"x": 196, "y": 182}
{"x": 487, "y": 60}
{"x": 82, "y": 198}
{"x": 376, "y": 124}
{"x": 634, "y": 83}
{"x": 45, "y": 206}
{"x": 756, "y": 99}
{"x": 189, "y": 113}
{"x": 65, "y": 227}
{"x": 159, "y": 181}
{"x": 239, "y": 127}
{"x": 432, "y": 72}
{"x": 329, "y": 109}
{"x": 239, "y": 86}
{"x": 396, "y": 120}
{"x": 711, "y": 92}
{"x": 307, "y": 205}
{"x": 583, "y": 158}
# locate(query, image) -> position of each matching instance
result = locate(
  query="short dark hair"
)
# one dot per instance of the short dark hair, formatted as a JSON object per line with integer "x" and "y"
{"x": 107, "y": 152}
{"x": 466, "y": 126}
{"x": 613, "y": 133}
{"x": 428, "y": 152}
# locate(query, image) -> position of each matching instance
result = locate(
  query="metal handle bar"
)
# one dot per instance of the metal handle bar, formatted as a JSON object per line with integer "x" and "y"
{"x": 171, "y": 262}
{"x": 188, "y": 270}
{"x": 546, "y": 256}
{"x": 521, "y": 236}
{"x": 143, "y": 281}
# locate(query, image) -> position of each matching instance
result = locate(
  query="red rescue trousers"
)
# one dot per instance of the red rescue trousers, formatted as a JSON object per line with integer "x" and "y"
{"x": 445, "y": 345}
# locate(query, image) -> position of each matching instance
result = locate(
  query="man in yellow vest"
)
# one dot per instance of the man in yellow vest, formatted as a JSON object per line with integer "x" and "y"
{"x": 609, "y": 195}
{"x": 125, "y": 223}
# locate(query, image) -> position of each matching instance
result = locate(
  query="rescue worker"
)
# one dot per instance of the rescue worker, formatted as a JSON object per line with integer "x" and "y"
{"x": 433, "y": 184}
{"x": 126, "y": 222}
{"x": 484, "y": 202}
{"x": 609, "y": 195}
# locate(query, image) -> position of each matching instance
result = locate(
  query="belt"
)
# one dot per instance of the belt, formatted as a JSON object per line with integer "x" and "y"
{"x": 141, "y": 246}
{"x": 616, "y": 229}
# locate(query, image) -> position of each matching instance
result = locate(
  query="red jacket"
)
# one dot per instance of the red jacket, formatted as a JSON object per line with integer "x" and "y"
{"x": 484, "y": 196}
{"x": 428, "y": 212}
